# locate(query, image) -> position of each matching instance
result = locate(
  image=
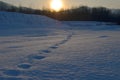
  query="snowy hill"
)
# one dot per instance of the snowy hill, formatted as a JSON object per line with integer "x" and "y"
{"x": 12, "y": 23}
{"x": 39, "y": 48}
{"x": 24, "y": 20}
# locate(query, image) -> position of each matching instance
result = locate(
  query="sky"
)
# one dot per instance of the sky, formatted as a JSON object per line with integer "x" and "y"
{"x": 40, "y": 4}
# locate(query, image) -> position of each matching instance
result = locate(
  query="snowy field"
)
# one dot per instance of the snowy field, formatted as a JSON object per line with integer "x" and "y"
{"x": 39, "y": 48}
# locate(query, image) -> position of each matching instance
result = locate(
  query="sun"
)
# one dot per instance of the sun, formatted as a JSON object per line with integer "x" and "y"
{"x": 56, "y": 5}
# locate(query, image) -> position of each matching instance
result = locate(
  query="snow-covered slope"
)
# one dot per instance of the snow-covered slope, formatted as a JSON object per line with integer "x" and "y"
{"x": 12, "y": 23}
{"x": 84, "y": 51}
{"x": 24, "y": 20}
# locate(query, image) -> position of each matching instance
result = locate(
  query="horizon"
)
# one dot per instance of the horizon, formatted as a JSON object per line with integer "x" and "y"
{"x": 41, "y": 40}
{"x": 67, "y": 4}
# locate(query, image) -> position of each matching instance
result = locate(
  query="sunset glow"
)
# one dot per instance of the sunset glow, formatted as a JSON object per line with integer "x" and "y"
{"x": 56, "y": 5}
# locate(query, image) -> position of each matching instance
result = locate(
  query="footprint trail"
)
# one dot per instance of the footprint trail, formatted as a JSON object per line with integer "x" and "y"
{"x": 31, "y": 58}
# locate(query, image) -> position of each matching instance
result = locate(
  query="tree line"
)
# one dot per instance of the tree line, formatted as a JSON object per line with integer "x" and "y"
{"x": 82, "y": 13}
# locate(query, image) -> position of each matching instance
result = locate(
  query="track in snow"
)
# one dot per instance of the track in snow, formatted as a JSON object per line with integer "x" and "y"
{"x": 15, "y": 74}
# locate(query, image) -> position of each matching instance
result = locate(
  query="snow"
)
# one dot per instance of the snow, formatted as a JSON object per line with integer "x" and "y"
{"x": 39, "y": 48}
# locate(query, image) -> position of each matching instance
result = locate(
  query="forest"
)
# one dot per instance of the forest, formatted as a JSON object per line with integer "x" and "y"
{"x": 82, "y": 13}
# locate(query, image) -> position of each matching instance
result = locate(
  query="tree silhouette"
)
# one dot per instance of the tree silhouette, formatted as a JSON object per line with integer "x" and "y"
{"x": 82, "y": 13}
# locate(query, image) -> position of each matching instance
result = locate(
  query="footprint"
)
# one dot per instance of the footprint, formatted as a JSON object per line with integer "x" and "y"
{"x": 57, "y": 44}
{"x": 54, "y": 47}
{"x": 46, "y": 51}
{"x": 38, "y": 57}
{"x": 10, "y": 78}
{"x": 63, "y": 42}
{"x": 11, "y": 72}
{"x": 24, "y": 66}
{"x": 103, "y": 36}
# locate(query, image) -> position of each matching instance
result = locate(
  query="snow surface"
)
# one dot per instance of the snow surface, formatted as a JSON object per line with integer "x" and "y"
{"x": 39, "y": 48}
